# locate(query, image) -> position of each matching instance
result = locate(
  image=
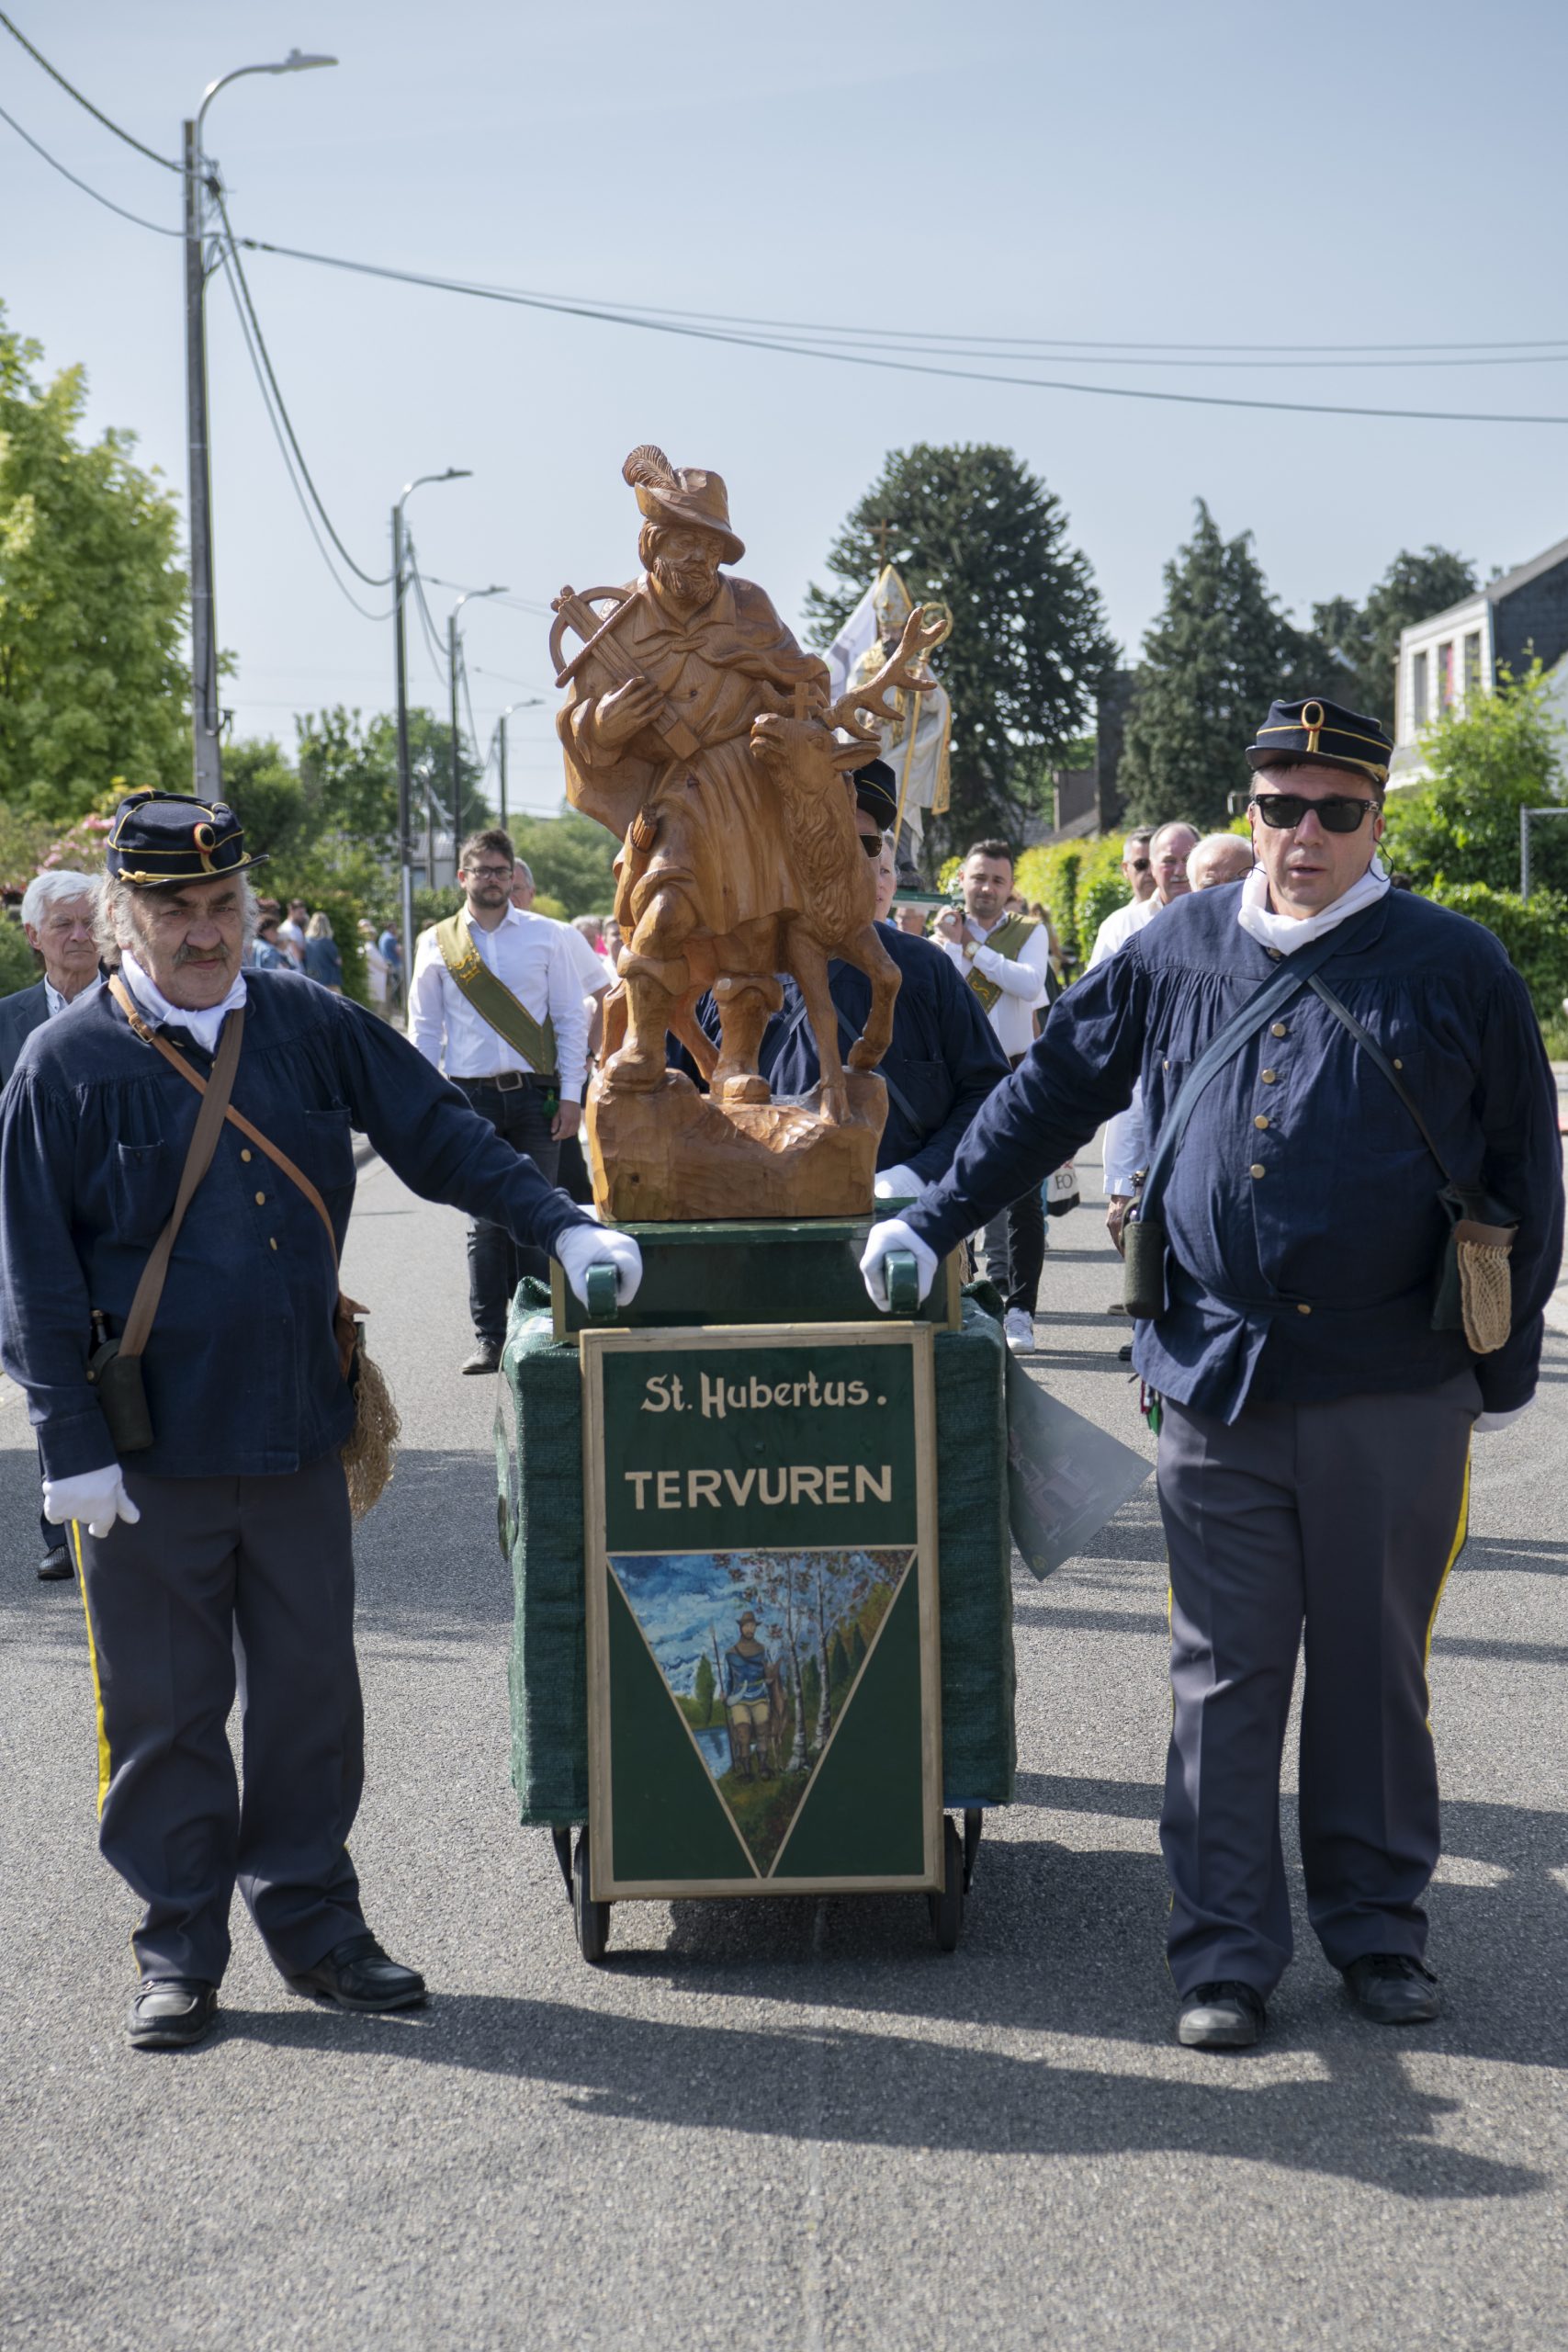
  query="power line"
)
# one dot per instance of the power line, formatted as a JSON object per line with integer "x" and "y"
{"x": 55, "y": 74}
{"x": 371, "y": 579}
{"x": 262, "y": 386}
{"x": 886, "y": 364}
{"x": 157, "y": 226}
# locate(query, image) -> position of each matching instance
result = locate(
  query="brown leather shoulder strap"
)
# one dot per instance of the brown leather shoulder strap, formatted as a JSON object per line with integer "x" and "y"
{"x": 198, "y": 1159}
{"x": 235, "y": 1118}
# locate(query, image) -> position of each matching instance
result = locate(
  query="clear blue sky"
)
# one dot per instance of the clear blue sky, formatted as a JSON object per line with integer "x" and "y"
{"x": 1208, "y": 172}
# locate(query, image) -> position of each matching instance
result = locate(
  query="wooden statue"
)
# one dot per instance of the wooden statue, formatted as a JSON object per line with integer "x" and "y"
{"x": 699, "y": 731}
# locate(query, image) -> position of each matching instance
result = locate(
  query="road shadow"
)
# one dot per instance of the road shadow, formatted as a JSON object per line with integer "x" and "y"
{"x": 1365, "y": 2123}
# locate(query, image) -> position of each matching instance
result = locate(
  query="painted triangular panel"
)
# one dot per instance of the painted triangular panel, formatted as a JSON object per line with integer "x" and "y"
{"x": 761, "y": 1655}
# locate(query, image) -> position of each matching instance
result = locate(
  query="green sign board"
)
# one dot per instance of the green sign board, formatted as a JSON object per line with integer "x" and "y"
{"x": 764, "y": 1675}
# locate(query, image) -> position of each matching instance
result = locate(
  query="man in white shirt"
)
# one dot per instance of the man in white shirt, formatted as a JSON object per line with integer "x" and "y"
{"x": 292, "y": 931}
{"x": 1005, "y": 959}
{"x": 518, "y": 1051}
{"x": 1138, "y": 872}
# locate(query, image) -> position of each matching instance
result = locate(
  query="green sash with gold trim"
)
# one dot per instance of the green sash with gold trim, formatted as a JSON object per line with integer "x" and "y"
{"x": 1008, "y": 936}
{"x": 492, "y": 999}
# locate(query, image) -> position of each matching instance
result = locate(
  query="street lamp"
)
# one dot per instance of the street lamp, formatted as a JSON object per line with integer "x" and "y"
{"x": 401, "y": 668}
{"x": 205, "y": 718}
{"x": 466, "y": 597}
{"x": 498, "y": 737}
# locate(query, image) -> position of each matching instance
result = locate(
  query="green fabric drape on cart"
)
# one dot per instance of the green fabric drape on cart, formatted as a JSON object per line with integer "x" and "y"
{"x": 542, "y": 1534}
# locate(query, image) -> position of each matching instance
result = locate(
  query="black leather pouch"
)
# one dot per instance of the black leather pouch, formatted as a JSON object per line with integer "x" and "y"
{"x": 123, "y": 1395}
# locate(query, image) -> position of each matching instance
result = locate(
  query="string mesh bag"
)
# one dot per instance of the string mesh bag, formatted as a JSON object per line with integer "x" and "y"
{"x": 1485, "y": 1295}
{"x": 369, "y": 1452}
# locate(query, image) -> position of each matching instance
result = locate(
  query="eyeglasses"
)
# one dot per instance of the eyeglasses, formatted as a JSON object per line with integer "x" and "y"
{"x": 488, "y": 873}
{"x": 1339, "y": 813}
{"x": 870, "y": 844}
{"x": 1136, "y": 865}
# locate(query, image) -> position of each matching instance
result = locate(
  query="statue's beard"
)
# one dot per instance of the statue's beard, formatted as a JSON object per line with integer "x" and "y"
{"x": 691, "y": 583}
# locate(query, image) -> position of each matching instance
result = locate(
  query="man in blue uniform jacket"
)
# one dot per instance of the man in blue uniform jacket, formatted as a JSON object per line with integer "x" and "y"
{"x": 224, "y": 1543}
{"x": 943, "y": 1060}
{"x": 1315, "y": 1443}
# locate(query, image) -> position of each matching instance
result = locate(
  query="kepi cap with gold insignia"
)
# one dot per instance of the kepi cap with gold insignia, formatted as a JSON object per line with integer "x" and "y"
{"x": 1322, "y": 734}
{"x": 173, "y": 837}
{"x": 876, "y": 791}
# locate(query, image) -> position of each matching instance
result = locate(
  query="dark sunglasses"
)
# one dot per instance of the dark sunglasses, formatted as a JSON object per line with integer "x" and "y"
{"x": 1339, "y": 813}
{"x": 870, "y": 844}
{"x": 1136, "y": 865}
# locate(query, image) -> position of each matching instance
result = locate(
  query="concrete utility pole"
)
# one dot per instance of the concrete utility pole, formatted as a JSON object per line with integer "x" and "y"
{"x": 466, "y": 597}
{"x": 498, "y": 739}
{"x": 400, "y": 674}
{"x": 205, "y": 717}
{"x": 206, "y": 764}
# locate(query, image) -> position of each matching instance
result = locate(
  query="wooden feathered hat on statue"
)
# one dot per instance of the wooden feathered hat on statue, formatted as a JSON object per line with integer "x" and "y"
{"x": 685, "y": 494}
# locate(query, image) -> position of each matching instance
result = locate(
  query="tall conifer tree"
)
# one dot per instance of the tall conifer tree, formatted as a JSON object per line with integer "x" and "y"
{"x": 1218, "y": 655}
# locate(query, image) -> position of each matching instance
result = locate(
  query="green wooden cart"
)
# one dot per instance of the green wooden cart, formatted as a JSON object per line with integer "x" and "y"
{"x": 762, "y": 1641}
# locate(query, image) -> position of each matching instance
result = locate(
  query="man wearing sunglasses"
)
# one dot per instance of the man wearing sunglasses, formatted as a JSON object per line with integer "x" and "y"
{"x": 1315, "y": 1411}
{"x": 1138, "y": 872}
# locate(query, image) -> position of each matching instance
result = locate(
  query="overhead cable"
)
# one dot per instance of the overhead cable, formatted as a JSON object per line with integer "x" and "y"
{"x": 886, "y": 364}
{"x": 262, "y": 386}
{"x": 71, "y": 90}
{"x": 371, "y": 579}
{"x": 157, "y": 227}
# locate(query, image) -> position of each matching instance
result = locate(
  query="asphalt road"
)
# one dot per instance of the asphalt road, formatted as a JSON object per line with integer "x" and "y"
{"x": 792, "y": 2124}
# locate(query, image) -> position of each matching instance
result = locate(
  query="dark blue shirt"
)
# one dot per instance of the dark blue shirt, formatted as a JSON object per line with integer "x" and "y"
{"x": 240, "y": 1369}
{"x": 324, "y": 963}
{"x": 1312, "y": 1277}
{"x": 942, "y": 1062}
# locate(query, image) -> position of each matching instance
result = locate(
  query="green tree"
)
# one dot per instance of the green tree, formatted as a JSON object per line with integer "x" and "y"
{"x": 704, "y": 1692}
{"x": 92, "y": 603}
{"x": 1501, "y": 752}
{"x": 265, "y": 793}
{"x": 1220, "y": 652}
{"x": 972, "y": 526}
{"x": 1356, "y": 646}
{"x": 572, "y": 859}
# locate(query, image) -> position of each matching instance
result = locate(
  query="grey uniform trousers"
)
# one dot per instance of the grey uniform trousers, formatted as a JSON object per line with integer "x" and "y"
{"x": 1342, "y": 1519}
{"x": 229, "y": 1583}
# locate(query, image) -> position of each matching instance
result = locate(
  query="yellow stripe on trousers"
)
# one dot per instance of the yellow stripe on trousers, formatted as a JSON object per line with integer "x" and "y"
{"x": 104, "y": 1765}
{"x": 1455, "y": 1548}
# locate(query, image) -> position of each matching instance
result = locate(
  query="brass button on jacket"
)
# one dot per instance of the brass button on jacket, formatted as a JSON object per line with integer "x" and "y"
{"x": 1301, "y": 1308}
{"x": 1279, "y": 1030}
{"x": 260, "y": 1200}
{"x": 1260, "y": 1120}
{"x": 1257, "y": 1168}
{"x": 1269, "y": 1076}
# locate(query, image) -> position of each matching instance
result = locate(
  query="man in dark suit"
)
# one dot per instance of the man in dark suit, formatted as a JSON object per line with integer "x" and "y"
{"x": 57, "y": 910}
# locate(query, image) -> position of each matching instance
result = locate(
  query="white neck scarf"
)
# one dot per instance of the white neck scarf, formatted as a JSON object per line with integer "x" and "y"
{"x": 202, "y": 1025}
{"x": 1283, "y": 932}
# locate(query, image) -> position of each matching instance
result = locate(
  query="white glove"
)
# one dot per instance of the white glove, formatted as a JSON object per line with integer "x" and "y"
{"x": 582, "y": 1246}
{"x": 1488, "y": 1424}
{"x": 882, "y": 1240}
{"x": 96, "y": 1497}
{"x": 898, "y": 1183}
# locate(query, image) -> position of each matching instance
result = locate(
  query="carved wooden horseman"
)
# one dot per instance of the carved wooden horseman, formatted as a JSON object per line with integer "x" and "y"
{"x": 700, "y": 732}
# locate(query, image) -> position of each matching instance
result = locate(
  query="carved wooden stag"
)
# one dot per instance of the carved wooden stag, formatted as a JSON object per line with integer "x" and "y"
{"x": 836, "y": 894}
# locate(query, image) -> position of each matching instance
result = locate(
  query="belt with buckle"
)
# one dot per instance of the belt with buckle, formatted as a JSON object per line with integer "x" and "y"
{"x": 507, "y": 1081}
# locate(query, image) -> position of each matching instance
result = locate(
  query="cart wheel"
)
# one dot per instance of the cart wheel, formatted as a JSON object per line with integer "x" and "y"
{"x": 561, "y": 1841}
{"x": 974, "y": 1823}
{"x": 947, "y": 1906}
{"x": 592, "y": 1918}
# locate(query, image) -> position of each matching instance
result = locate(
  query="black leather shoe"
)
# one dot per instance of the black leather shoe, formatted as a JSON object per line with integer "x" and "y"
{"x": 359, "y": 1975}
{"x": 1392, "y": 1989}
{"x": 171, "y": 2012}
{"x": 1222, "y": 2015}
{"x": 55, "y": 1565}
{"x": 486, "y": 1356}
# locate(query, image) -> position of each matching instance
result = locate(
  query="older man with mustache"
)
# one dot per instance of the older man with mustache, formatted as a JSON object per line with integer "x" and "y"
{"x": 211, "y": 1529}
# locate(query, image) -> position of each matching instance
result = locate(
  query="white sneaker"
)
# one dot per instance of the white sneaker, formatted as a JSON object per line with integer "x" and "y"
{"x": 1019, "y": 1325}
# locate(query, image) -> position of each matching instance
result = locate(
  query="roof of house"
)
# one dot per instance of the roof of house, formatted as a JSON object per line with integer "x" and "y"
{"x": 1494, "y": 591}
